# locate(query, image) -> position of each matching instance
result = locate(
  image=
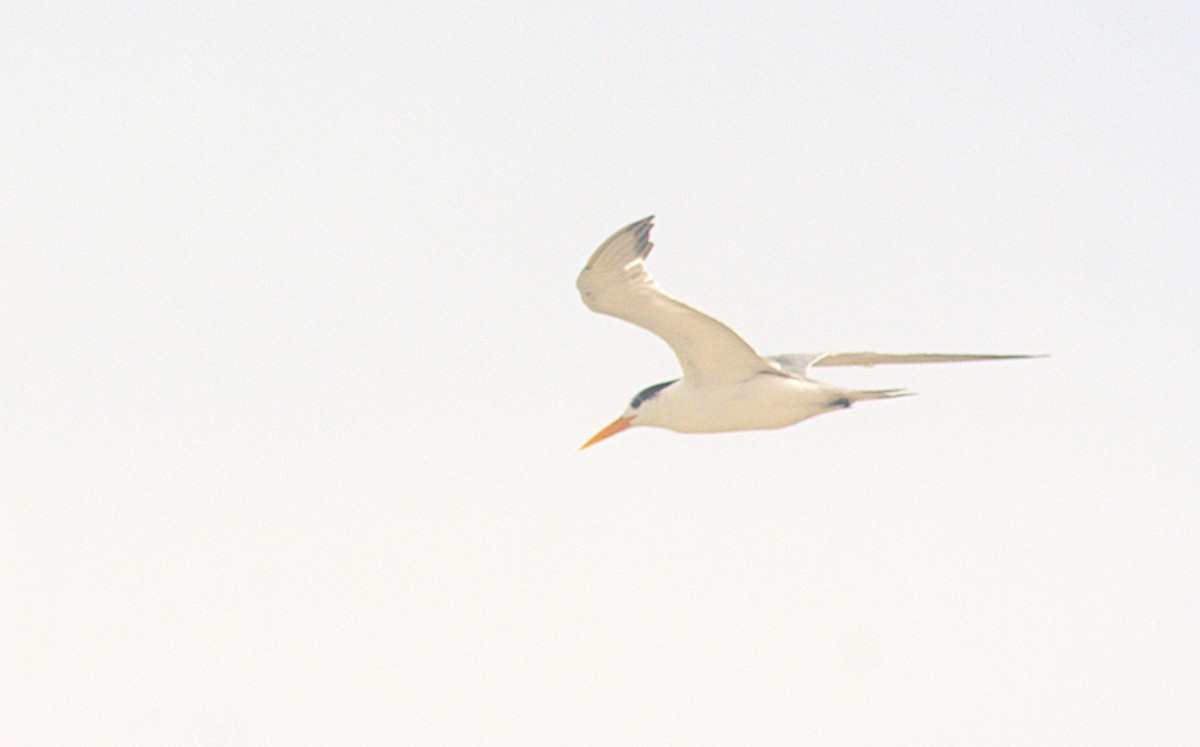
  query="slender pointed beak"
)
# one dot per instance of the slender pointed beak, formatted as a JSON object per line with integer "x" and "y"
{"x": 611, "y": 429}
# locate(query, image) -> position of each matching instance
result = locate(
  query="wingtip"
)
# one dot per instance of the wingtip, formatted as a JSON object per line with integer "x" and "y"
{"x": 644, "y": 224}
{"x": 641, "y": 229}
{"x": 1020, "y": 356}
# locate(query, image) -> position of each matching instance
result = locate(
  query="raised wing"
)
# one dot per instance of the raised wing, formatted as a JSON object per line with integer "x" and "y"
{"x": 799, "y": 363}
{"x": 615, "y": 282}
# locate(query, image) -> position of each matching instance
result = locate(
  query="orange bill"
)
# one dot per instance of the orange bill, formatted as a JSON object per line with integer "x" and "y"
{"x": 611, "y": 429}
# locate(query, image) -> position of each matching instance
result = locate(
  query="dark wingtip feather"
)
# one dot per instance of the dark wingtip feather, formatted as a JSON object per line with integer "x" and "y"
{"x": 641, "y": 230}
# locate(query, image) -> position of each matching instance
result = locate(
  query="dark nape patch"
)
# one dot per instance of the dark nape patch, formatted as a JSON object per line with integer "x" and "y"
{"x": 649, "y": 392}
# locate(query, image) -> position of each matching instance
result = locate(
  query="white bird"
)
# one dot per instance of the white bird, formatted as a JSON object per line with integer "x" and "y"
{"x": 726, "y": 384}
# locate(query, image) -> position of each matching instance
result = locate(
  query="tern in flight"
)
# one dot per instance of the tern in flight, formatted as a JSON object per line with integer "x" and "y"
{"x": 726, "y": 384}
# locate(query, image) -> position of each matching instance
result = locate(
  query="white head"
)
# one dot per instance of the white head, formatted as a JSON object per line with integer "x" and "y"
{"x": 640, "y": 407}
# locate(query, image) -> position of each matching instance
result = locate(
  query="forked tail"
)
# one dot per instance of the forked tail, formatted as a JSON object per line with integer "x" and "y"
{"x": 859, "y": 395}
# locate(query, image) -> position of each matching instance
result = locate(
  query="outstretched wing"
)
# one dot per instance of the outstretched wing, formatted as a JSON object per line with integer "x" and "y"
{"x": 616, "y": 282}
{"x": 799, "y": 363}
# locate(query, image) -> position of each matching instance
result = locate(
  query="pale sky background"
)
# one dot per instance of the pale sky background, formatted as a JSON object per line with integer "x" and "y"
{"x": 296, "y": 374}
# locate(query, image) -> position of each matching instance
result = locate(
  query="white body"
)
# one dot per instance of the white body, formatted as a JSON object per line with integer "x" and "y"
{"x": 764, "y": 402}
